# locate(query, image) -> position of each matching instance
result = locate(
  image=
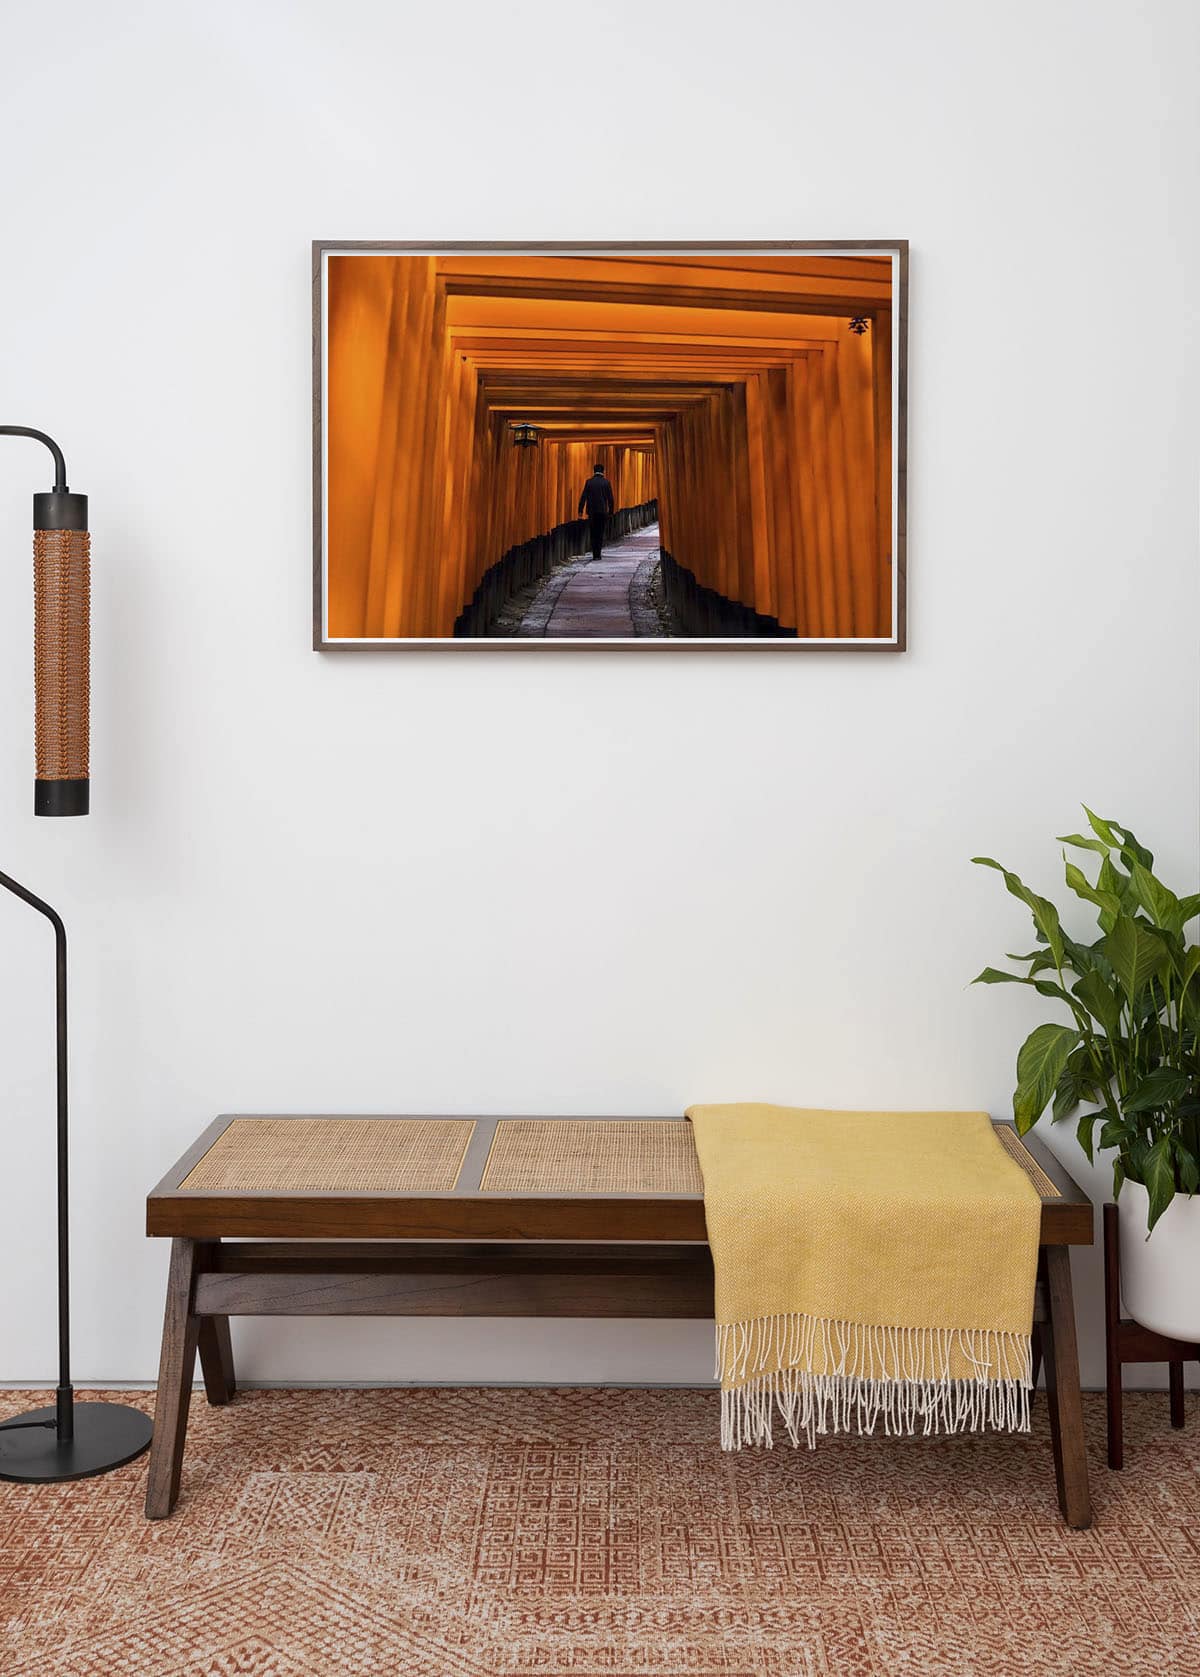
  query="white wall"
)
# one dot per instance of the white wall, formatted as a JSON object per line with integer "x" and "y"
{"x": 589, "y": 883}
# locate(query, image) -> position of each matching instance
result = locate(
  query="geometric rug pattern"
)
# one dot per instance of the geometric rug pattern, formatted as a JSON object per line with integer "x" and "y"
{"x": 600, "y": 1533}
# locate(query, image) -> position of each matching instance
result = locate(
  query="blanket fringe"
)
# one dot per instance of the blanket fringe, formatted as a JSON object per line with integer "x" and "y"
{"x": 867, "y": 1374}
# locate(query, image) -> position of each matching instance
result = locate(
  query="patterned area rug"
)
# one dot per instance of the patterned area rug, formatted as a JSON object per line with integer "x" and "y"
{"x": 499, "y": 1533}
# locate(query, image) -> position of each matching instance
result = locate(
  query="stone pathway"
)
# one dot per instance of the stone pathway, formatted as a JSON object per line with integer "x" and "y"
{"x": 605, "y": 598}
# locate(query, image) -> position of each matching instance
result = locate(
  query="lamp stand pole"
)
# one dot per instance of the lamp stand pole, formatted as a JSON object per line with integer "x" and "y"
{"x": 67, "y": 1440}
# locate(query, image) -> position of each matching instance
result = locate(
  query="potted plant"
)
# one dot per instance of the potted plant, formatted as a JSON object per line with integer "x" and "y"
{"x": 1129, "y": 1058}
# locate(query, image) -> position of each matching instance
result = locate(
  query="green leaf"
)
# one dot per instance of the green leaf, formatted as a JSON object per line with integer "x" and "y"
{"x": 1113, "y": 1133}
{"x": 1067, "y": 1097}
{"x": 1101, "y": 1001}
{"x": 1090, "y": 957}
{"x": 1039, "y": 1066}
{"x": 1135, "y": 955}
{"x": 1045, "y": 915}
{"x": 1077, "y": 1082}
{"x": 1189, "y": 992}
{"x": 1043, "y": 961}
{"x": 1189, "y": 908}
{"x": 1118, "y": 1177}
{"x": 1186, "y": 1168}
{"x": 1081, "y": 843}
{"x": 1176, "y": 951}
{"x": 1133, "y": 1155}
{"x": 1110, "y": 878}
{"x": 1150, "y": 894}
{"x": 1102, "y": 829}
{"x": 1083, "y": 1133}
{"x": 1044, "y": 986}
{"x": 1082, "y": 887}
{"x": 1159, "y": 1089}
{"x": 1146, "y": 1011}
{"x": 1120, "y": 838}
{"x": 1159, "y": 1178}
{"x": 1131, "y": 850}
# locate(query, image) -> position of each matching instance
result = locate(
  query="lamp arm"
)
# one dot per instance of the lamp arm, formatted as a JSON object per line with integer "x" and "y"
{"x": 27, "y": 896}
{"x": 60, "y": 464}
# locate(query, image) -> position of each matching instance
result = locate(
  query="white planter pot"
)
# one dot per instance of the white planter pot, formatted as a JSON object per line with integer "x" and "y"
{"x": 1160, "y": 1277}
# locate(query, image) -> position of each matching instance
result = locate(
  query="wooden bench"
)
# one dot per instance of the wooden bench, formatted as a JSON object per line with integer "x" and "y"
{"x": 408, "y": 1216}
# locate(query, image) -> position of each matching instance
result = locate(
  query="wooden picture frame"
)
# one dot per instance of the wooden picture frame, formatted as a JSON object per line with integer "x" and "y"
{"x": 709, "y": 608}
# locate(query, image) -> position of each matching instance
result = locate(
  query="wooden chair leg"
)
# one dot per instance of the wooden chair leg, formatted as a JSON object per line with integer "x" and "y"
{"x": 216, "y": 1359}
{"x": 1112, "y": 1337}
{"x": 177, "y": 1362}
{"x": 1064, "y": 1399}
{"x": 1176, "y": 1377}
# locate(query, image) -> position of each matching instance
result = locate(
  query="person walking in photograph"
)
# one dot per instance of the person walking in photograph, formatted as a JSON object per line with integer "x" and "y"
{"x": 597, "y": 498}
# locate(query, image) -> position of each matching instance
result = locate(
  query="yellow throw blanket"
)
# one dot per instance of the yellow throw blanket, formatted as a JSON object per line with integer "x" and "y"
{"x": 869, "y": 1266}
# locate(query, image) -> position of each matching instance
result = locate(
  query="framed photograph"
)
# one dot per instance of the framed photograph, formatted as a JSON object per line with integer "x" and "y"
{"x": 609, "y": 445}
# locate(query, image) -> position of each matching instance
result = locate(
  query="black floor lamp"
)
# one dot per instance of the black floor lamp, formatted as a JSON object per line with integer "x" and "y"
{"x": 68, "y": 1440}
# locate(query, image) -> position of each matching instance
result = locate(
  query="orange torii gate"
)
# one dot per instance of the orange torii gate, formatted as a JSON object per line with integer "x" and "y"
{"x": 730, "y": 387}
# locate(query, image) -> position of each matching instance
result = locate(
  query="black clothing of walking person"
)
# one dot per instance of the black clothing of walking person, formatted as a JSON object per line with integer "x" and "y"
{"x": 597, "y": 497}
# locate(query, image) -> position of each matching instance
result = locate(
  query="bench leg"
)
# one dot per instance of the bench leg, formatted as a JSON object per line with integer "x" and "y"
{"x": 1064, "y": 1399}
{"x": 177, "y": 1363}
{"x": 1175, "y": 1367}
{"x": 216, "y": 1359}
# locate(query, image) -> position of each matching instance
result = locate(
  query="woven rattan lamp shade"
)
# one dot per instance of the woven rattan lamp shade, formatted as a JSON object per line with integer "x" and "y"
{"x": 61, "y": 642}
{"x": 61, "y": 651}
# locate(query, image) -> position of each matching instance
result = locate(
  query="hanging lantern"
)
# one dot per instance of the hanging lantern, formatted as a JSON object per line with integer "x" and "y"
{"x": 525, "y": 435}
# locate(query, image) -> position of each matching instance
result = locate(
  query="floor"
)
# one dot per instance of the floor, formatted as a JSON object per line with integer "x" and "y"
{"x": 593, "y": 598}
{"x": 502, "y": 1533}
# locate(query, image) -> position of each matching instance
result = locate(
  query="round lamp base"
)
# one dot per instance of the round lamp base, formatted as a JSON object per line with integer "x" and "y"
{"x": 107, "y": 1435}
